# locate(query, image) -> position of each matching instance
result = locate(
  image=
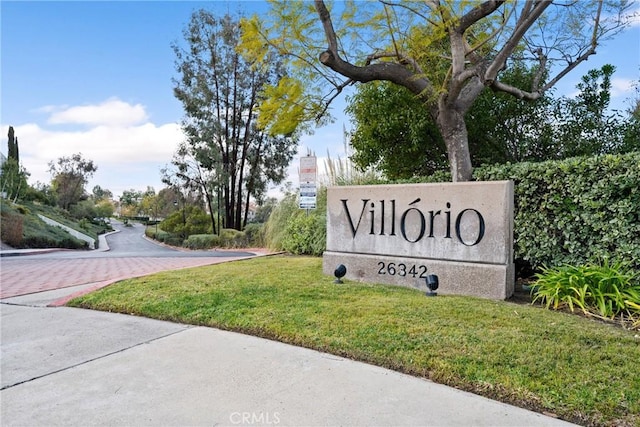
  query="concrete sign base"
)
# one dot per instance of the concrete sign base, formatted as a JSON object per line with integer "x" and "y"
{"x": 455, "y": 277}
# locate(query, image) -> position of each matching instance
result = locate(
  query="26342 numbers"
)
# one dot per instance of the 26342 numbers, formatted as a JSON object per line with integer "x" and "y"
{"x": 401, "y": 269}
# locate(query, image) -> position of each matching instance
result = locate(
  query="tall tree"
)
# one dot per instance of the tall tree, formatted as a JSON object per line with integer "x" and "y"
{"x": 13, "y": 176}
{"x": 585, "y": 126}
{"x": 194, "y": 168}
{"x": 98, "y": 193}
{"x": 69, "y": 176}
{"x": 220, "y": 92}
{"x": 401, "y": 42}
{"x": 13, "y": 180}
{"x": 12, "y": 146}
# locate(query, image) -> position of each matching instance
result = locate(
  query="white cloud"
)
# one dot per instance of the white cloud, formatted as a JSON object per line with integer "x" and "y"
{"x": 112, "y": 112}
{"x": 622, "y": 87}
{"x": 128, "y": 153}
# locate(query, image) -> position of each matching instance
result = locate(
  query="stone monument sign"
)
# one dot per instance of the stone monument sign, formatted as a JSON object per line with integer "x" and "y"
{"x": 399, "y": 234}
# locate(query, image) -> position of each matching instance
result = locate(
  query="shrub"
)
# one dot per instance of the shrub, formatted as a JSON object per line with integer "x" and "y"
{"x": 604, "y": 289}
{"x": 574, "y": 210}
{"x": 11, "y": 229}
{"x": 276, "y": 226}
{"x": 305, "y": 234}
{"x": 23, "y": 210}
{"x": 172, "y": 240}
{"x": 159, "y": 235}
{"x": 187, "y": 221}
{"x": 230, "y": 238}
{"x": 254, "y": 234}
{"x": 295, "y": 230}
{"x": 202, "y": 241}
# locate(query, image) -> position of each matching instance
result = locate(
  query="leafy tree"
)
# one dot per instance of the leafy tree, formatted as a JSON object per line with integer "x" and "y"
{"x": 165, "y": 202}
{"x": 131, "y": 201}
{"x": 98, "y": 193}
{"x": 13, "y": 180}
{"x": 187, "y": 221}
{"x": 584, "y": 126}
{"x": 104, "y": 209}
{"x": 13, "y": 176}
{"x": 70, "y": 174}
{"x": 631, "y": 135}
{"x": 12, "y": 151}
{"x": 225, "y": 155}
{"x": 444, "y": 52}
{"x": 392, "y": 133}
{"x": 84, "y": 209}
{"x": 195, "y": 170}
{"x": 263, "y": 212}
{"x": 130, "y": 197}
{"x": 43, "y": 193}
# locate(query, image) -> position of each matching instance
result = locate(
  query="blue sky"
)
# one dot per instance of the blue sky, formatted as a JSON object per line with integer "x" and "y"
{"x": 95, "y": 77}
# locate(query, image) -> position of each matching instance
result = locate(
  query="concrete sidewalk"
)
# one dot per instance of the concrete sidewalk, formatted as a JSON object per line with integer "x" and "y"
{"x": 73, "y": 367}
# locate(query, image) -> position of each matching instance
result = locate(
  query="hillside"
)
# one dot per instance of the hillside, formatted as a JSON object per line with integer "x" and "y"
{"x": 21, "y": 227}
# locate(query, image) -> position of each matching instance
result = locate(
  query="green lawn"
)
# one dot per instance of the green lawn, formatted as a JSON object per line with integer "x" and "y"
{"x": 582, "y": 370}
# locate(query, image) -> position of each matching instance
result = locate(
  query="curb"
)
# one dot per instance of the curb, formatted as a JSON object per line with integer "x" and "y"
{"x": 26, "y": 252}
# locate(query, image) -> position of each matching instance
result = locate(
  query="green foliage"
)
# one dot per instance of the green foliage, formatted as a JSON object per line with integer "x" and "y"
{"x": 574, "y": 210}
{"x": 606, "y": 289}
{"x": 393, "y": 129}
{"x": 305, "y": 234}
{"x": 264, "y": 210}
{"x": 228, "y": 238}
{"x": 394, "y": 133}
{"x": 446, "y": 55}
{"x": 232, "y": 238}
{"x": 202, "y": 241}
{"x": 254, "y": 234}
{"x": 277, "y": 224}
{"x": 13, "y": 180}
{"x": 12, "y": 146}
{"x": 296, "y": 230}
{"x": 583, "y": 126}
{"x": 187, "y": 221}
{"x": 11, "y": 228}
{"x": 221, "y": 92}
{"x": 70, "y": 174}
{"x": 22, "y": 228}
{"x": 156, "y": 233}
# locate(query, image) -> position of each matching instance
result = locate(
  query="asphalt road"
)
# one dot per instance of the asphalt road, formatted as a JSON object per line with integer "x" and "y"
{"x": 130, "y": 242}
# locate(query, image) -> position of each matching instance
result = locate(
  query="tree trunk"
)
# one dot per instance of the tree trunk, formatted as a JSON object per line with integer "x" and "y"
{"x": 208, "y": 197}
{"x": 454, "y": 132}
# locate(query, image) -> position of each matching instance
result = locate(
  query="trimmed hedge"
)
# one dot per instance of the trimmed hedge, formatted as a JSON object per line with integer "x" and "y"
{"x": 202, "y": 241}
{"x": 575, "y": 210}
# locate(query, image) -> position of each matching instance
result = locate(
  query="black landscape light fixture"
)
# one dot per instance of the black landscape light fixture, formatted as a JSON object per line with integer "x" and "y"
{"x": 432, "y": 284}
{"x": 340, "y": 271}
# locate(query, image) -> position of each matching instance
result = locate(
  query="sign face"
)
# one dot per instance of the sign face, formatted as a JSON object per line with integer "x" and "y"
{"x": 308, "y": 172}
{"x": 398, "y": 234}
{"x": 307, "y": 202}
{"x": 308, "y": 169}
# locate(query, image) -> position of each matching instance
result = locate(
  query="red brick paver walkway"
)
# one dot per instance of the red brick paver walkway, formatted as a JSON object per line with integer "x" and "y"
{"x": 29, "y": 275}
